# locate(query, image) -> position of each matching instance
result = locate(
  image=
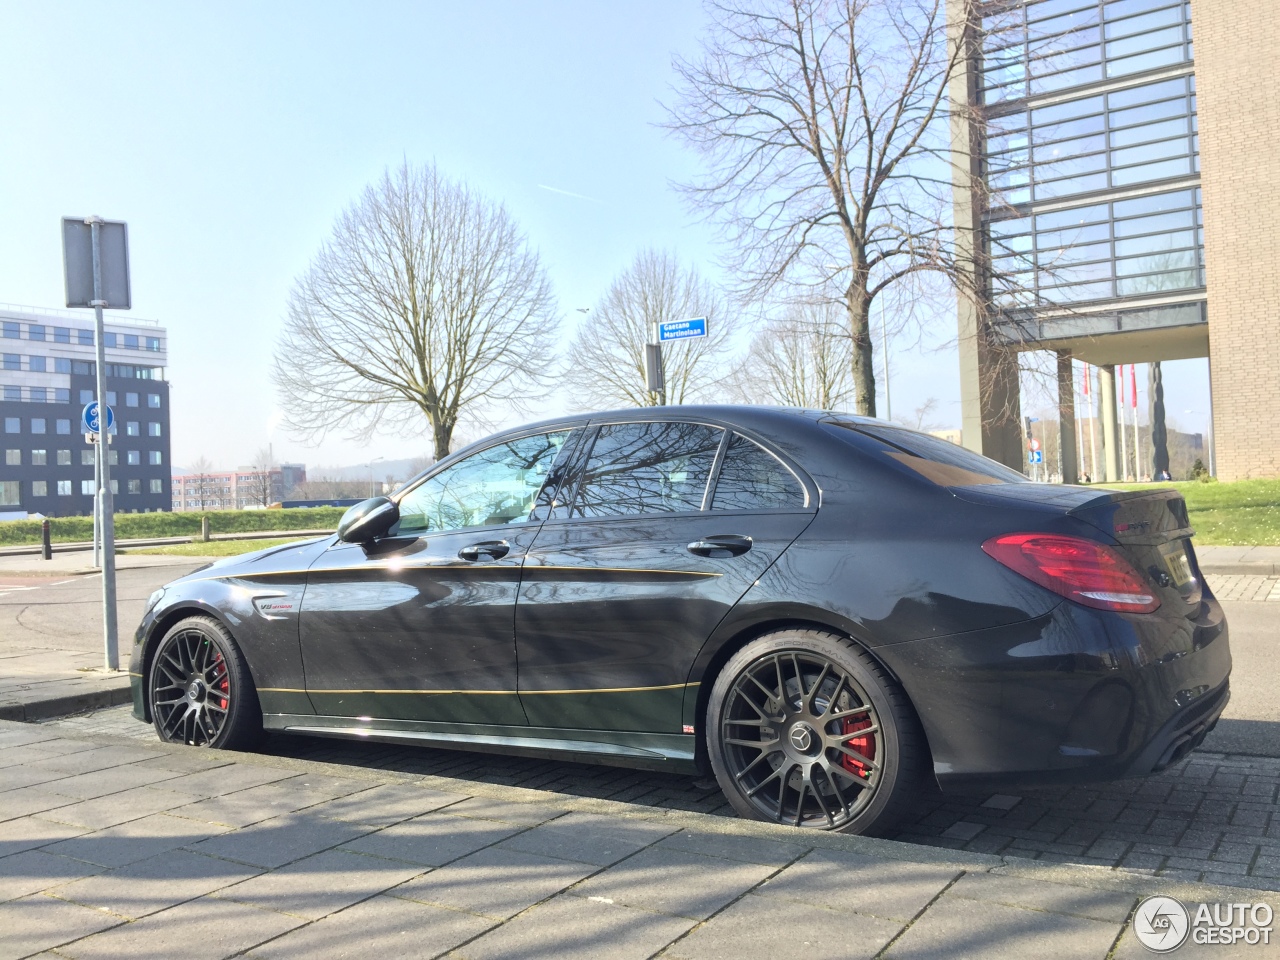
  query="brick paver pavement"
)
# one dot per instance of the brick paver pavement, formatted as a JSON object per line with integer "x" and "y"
{"x": 1213, "y": 818}
{"x": 113, "y": 846}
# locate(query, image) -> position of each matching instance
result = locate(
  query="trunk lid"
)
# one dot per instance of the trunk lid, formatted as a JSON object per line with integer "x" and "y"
{"x": 1150, "y": 527}
{"x": 1154, "y": 532}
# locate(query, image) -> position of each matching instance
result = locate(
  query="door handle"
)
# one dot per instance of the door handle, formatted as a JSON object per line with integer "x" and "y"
{"x": 721, "y": 546}
{"x": 486, "y": 550}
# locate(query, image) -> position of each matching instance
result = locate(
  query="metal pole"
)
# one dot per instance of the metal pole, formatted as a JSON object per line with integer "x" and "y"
{"x": 109, "y": 635}
{"x": 1124, "y": 437}
{"x": 1137, "y": 439}
{"x": 884, "y": 347}
{"x": 97, "y": 514}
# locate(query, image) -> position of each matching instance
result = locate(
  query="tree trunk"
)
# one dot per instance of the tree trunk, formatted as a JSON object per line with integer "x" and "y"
{"x": 864, "y": 374}
{"x": 442, "y": 434}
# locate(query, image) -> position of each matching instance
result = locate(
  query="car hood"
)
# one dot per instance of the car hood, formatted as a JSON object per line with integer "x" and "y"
{"x": 290, "y": 556}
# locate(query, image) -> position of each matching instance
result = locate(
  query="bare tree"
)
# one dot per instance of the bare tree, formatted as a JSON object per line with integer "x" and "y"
{"x": 200, "y": 470}
{"x": 606, "y": 359}
{"x": 260, "y": 487}
{"x": 427, "y": 300}
{"x": 922, "y": 417}
{"x": 799, "y": 360}
{"x": 324, "y": 485}
{"x": 820, "y": 123}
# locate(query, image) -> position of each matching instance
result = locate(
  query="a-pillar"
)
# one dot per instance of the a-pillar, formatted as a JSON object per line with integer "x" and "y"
{"x": 1110, "y": 441}
{"x": 1067, "y": 418}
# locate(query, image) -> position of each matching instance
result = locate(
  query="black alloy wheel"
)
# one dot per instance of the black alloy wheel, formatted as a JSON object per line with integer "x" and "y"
{"x": 805, "y": 729}
{"x": 201, "y": 693}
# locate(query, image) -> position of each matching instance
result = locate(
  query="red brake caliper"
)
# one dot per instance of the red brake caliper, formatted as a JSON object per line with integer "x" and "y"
{"x": 863, "y": 745}
{"x": 220, "y": 673}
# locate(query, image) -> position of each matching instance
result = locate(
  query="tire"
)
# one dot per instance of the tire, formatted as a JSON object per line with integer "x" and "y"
{"x": 804, "y": 728}
{"x": 200, "y": 691}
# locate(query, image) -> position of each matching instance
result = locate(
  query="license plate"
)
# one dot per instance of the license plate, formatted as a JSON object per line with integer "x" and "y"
{"x": 1178, "y": 564}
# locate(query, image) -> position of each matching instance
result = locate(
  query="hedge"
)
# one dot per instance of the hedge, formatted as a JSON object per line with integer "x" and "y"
{"x": 131, "y": 526}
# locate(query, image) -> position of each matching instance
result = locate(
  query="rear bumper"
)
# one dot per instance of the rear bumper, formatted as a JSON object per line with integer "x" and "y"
{"x": 1074, "y": 695}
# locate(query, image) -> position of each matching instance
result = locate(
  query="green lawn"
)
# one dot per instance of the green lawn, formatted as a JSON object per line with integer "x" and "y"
{"x": 143, "y": 525}
{"x": 215, "y": 548}
{"x": 1244, "y": 513}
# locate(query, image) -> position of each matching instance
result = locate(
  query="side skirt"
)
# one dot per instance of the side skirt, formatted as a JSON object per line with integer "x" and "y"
{"x": 671, "y": 752}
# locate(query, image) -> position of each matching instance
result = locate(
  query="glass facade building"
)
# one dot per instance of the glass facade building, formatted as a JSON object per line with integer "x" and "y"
{"x": 1077, "y": 151}
{"x": 1090, "y": 156}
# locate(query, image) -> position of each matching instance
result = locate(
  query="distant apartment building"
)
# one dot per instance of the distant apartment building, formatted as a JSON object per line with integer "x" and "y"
{"x": 47, "y": 374}
{"x": 244, "y": 488}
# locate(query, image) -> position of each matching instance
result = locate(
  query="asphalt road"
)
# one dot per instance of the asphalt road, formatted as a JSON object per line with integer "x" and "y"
{"x": 61, "y": 613}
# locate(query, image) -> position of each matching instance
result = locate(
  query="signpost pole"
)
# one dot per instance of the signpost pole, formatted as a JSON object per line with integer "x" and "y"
{"x": 97, "y": 517}
{"x": 105, "y": 501}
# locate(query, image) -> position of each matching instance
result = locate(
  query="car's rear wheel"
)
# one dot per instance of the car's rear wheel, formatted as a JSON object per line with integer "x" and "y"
{"x": 201, "y": 692}
{"x": 804, "y": 728}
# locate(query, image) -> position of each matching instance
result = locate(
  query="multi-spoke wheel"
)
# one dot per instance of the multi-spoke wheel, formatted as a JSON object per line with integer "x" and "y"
{"x": 804, "y": 728}
{"x": 200, "y": 689}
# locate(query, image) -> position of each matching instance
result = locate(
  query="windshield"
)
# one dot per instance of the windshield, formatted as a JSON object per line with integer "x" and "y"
{"x": 941, "y": 461}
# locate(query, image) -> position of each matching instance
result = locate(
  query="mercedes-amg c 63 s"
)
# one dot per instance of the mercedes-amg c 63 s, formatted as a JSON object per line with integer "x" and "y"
{"x": 824, "y": 610}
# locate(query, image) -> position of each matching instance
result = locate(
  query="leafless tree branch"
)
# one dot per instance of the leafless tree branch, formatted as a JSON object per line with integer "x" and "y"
{"x": 606, "y": 359}
{"x": 427, "y": 300}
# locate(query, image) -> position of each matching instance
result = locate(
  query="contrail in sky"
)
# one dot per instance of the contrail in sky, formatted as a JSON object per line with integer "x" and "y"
{"x": 568, "y": 193}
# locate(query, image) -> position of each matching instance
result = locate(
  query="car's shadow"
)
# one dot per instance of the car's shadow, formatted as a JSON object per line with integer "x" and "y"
{"x": 1139, "y": 824}
{"x": 645, "y": 787}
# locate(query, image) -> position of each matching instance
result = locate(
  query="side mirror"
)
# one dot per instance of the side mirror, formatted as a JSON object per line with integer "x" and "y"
{"x": 368, "y": 520}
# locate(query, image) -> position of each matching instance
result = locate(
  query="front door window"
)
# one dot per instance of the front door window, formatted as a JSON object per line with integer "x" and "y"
{"x": 497, "y": 486}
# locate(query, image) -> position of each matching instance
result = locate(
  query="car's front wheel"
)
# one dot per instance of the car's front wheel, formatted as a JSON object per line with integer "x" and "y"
{"x": 804, "y": 728}
{"x": 200, "y": 689}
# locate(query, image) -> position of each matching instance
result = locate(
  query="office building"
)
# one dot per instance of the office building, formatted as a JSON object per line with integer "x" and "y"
{"x": 1118, "y": 189}
{"x": 47, "y": 375}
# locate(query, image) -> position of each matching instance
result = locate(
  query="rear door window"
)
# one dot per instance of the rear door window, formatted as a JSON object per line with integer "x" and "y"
{"x": 752, "y": 478}
{"x": 945, "y": 463}
{"x": 647, "y": 468}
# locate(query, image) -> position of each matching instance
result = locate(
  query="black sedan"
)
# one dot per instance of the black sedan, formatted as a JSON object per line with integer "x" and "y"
{"x": 824, "y": 609}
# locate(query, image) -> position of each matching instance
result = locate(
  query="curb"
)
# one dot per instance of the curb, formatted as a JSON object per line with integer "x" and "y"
{"x": 52, "y": 707}
{"x": 1243, "y": 568}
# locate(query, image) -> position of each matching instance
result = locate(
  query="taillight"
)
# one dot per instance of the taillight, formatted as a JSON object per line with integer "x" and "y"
{"x": 1085, "y": 571}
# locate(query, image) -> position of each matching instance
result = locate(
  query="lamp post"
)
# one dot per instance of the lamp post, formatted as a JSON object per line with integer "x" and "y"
{"x": 371, "y": 463}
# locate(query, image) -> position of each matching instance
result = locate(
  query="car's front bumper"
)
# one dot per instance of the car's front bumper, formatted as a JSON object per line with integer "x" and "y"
{"x": 1076, "y": 694}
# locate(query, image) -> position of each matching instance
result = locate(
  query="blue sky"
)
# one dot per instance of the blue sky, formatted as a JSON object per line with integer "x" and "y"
{"x": 231, "y": 135}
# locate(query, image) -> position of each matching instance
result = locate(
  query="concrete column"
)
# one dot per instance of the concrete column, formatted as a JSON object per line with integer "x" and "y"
{"x": 1067, "y": 418}
{"x": 1110, "y": 442}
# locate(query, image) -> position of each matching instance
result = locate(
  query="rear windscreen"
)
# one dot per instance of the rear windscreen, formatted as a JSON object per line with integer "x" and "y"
{"x": 945, "y": 463}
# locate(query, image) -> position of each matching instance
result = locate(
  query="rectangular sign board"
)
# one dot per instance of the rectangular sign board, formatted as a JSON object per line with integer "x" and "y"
{"x": 682, "y": 329}
{"x": 77, "y": 258}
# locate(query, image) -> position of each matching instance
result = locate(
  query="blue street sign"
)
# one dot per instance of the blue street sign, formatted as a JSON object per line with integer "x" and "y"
{"x": 1035, "y": 456}
{"x": 682, "y": 329}
{"x": 89, "y": 418}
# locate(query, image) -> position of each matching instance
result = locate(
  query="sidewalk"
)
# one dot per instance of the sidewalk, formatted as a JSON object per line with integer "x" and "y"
{"x": 1256, "y": 561}
{"x": 112, "y": 849}
{"x": 80, "y": 563}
